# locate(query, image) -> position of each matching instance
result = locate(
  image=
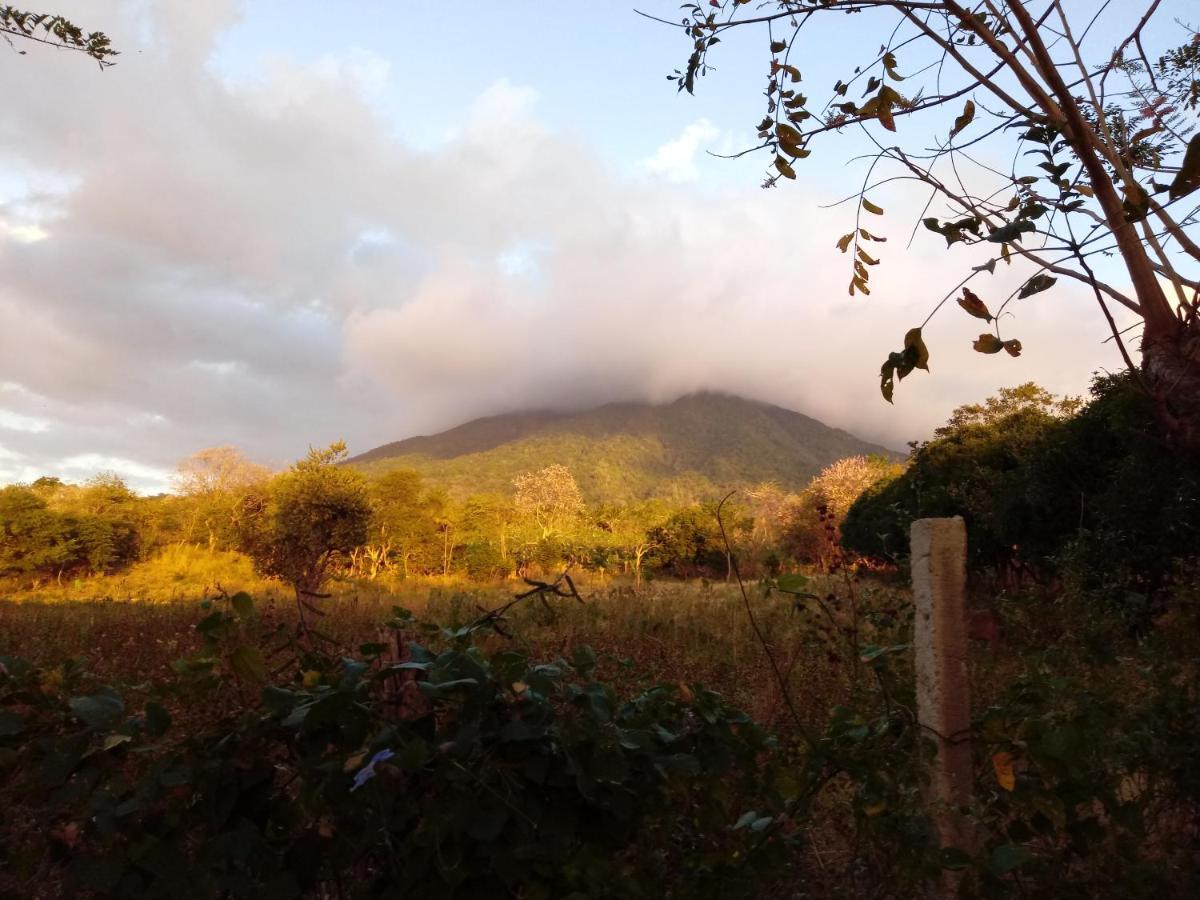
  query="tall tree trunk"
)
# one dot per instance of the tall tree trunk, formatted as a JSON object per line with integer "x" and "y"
{"x": 1170, "y": 348}
{"x": 1171, "y": 366}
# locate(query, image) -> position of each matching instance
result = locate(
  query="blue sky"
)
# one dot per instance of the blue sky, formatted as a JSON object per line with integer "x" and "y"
{"x": 601, "y": 76}
{"x": 273, "y": 225}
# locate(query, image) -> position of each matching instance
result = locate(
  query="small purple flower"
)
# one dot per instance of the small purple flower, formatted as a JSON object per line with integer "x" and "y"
{"x": 367, "y": 772}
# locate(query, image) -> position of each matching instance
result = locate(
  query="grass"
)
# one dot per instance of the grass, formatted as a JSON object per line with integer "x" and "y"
{"x": 689, "y": 632}
{"x": 180, "y": 572}
{"x": 673, "y": 632}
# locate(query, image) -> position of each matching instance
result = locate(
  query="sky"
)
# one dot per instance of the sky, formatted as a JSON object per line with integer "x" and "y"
{"x": 279, "y": 224}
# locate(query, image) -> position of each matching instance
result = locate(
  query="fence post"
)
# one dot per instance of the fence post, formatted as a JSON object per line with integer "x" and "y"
{"x": 939, "y": 576}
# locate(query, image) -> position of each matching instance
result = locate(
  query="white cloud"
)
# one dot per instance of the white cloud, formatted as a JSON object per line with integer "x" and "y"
{"x": 149, "y": 479}
{"x": 676, "y": 159}
{"x": 17, "y": 422}
{"x": 23, "y": 233}
{"x": 503, "y": 102}
{"x": 367, "y": 71}
{"x": 265, "y": 263}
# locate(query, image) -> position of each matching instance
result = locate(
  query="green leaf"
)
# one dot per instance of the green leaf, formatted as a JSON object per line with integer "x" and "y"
{"x": 871, "y": 207}
{"x": 212, "y": 625}
{"x": 1187, "y": 179}
{"x": 1008, "y": 857}
{"x": 158, "y": 720}
{"x": 248, "y": 664}
{"x": 778, "y": 46}
{"x": 242, "y": 604}
{"x": 583, "y": 660}
{"x": 965, "y": 119}
{"x": 101, "y": 710}
{"x": 784, "y": 167}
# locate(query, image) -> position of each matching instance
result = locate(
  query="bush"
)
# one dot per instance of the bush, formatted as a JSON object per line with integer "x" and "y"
{"x": 490, "y": 774}
{"x": 483, "y": 562}
{"x": 1096, "y": 498}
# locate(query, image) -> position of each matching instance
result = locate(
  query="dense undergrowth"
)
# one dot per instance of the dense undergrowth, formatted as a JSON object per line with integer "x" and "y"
{"x": 590, "y": 749}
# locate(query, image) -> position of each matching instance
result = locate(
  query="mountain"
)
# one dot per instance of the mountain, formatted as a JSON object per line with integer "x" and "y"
{"x": 693, "y": 448}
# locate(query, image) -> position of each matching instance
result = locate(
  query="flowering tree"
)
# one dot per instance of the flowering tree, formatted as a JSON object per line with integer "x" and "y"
{"x": 550, "y": 497}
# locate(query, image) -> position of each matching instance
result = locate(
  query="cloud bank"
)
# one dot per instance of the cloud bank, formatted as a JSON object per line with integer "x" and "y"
{"x": 187, "y": 260}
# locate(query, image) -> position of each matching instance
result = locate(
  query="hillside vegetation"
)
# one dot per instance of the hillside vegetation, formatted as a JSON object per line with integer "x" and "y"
{"x": 668, "y": 707}
{"x": 692, "y": 449}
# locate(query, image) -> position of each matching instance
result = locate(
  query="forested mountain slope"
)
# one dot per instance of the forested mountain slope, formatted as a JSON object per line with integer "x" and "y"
{"x": 686, "y": 450}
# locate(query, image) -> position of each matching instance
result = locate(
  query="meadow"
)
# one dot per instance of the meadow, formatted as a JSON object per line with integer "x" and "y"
{"x": 1099, "y": 804}
{"x": 663, "y": 631}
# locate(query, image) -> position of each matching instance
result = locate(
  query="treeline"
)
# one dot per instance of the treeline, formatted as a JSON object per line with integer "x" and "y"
{"x": 1055, "y": 491}
{"x": 321, "y": 518}
{"x": 1089, "y": 496}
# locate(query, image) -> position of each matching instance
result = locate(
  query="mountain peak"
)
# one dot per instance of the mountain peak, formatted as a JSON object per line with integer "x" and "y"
{"x": 690, "y": 448}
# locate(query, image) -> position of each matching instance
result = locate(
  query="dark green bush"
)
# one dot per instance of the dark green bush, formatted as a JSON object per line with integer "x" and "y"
{"x": 1096, "y": 498}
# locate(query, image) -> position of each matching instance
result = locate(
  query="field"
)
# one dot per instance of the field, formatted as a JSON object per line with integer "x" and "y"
{"x": 662, "y": 632}
{"x": 1040, "y": 696}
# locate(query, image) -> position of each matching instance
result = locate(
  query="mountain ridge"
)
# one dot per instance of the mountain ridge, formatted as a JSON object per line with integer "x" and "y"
{"x": 689, "y": 448}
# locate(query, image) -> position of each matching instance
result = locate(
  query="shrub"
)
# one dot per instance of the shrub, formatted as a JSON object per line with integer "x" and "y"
{"x": 491, "y": 774}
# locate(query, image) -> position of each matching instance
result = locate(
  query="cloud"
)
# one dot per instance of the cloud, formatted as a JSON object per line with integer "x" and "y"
{"x": 17, "y": 422}
{"x": 676, "y": 159}
{"x": 264, "y": 262}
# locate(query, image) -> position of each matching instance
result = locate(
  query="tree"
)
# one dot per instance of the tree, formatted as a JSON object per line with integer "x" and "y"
{"x": 303, "y": 519}
{"x": 401, "y": 520}
{"x": 829, "y": 496}
{"x": 977, "y": 467}
{"x": 49, "y": 528}
{"x": 213, "y": 480}
{"x": 107, "y": 517}
{"x": 217, "y": 470}
{"x": 486, "y": 519}
{"x": 1006, "y": 402}
{"x": 631, "y": 530}
{"x": 1104, "y": 138}
{"x": 550, "y": 497}
{"x": 446, "y": 524}
{"x": 45, "y": 28}
{"x": 840, "y": 483}
{"x": 33, "y": 539}
{"x": 689, "y": 542}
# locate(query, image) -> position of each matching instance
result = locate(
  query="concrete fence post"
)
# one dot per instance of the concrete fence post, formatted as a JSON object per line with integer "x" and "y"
{"x": 939, "y": 578}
